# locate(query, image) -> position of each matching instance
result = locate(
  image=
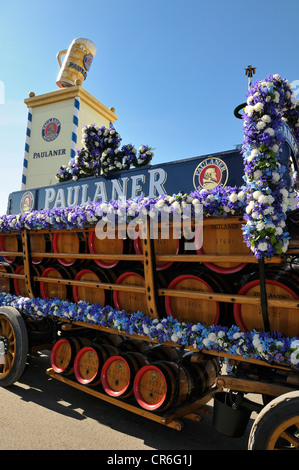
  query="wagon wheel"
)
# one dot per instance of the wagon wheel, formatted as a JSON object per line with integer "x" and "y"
{"x": 277, "y": 425}
{"x": 13, "y": 345}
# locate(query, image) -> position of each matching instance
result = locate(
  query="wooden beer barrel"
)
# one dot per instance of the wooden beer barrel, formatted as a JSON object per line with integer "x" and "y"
{"x": 280, "y": 285}
{"x": 92, "y": 294}
{"x": 20, "y": 284}
{"x": 69, "y": 242}
{"x": 162, "y": 246}
{"x": 119, "y": 371}
{"x": 6, "y": 284}
{"x": 11, "y": 242}
{"x": 162, "y": 385}
{"x": 224, "y": 238}
{"x": 40, "y": 242}
{"x": 89, "y": 362}
{"x": 187, "y": 309}
{"x": 64, "y": 352}
{"x": 55, "y": 289}
{"x": 203, "y": 375}
{"x": 128, "y": 300}
{"x": 114, "y": 246}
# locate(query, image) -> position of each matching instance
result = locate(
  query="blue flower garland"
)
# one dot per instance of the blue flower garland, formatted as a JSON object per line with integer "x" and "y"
{"x": 218, "y": 202}
{"x": 100, "y": 154}
{"x": 271, "y": 347}
{"x": 270, "y": 103}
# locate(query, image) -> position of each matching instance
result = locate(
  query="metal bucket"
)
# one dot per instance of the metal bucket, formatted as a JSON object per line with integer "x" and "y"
{"x": 230, "y": 416}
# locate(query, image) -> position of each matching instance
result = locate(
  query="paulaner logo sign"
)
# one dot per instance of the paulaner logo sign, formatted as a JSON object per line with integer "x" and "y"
{"x": 210, "y": 173}
{"x": 51, "y": 129}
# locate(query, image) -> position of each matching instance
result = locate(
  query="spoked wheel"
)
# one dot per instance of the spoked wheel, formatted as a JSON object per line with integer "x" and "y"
{"x": 277, "y": 425}
{"x": 13, "y": 346}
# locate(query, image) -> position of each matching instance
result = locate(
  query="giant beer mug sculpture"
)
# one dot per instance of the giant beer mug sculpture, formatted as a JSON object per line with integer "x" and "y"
{"x": 76, "y": 63}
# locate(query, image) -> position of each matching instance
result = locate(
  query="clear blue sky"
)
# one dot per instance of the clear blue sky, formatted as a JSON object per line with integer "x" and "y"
{"x": 173, "y": 70}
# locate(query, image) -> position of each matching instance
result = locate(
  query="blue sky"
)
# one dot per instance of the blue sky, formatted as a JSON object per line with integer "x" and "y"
{"x": 173, "y": 70}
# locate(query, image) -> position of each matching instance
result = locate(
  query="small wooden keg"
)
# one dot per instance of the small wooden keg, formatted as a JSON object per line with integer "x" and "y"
{"x": 162, "y": 385}
{"x": 119, "y": 372}
{"x": 89, "y": 362}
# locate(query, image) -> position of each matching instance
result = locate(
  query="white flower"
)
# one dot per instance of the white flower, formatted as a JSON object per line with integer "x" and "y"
{"x": 275, "y": 177}
{"x": 260, "y": 125}
{"x": 277, "y": 95}
{"x": 266, "y": 118}
{"x": 263, "y": 246}
{"x": 258, "y": 107}
{"x": 249, "y": 110}
{"x": 257, "y": 174}
{"x": 260, "y": 226}
{"x": 270, "y": 131}
{"x": 257, "y": 194}
{"x": 233, "y": 197}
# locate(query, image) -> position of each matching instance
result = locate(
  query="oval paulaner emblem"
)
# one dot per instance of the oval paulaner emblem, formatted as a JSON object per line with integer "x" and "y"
{"x": 87, "y": 61}
{"x": 51, "y": 129}
{"x": 210, "y": 173}
{"x": 27, "y": 202}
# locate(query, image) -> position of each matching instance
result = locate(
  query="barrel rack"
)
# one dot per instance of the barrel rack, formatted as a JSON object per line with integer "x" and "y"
{"x": 150, "y": 289}
{"x": 149, "y": 259}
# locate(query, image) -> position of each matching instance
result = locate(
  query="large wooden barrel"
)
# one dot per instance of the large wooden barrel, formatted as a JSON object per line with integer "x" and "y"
{"x": 64, "y": 352}
{"x": 40, "y": 243}
{"x": 11, "y": 242}
{"x": 119, "y": 372}
{"x": 20, "y": 284}
{"x": 92, "y": 294}
{"x": 129, "y": 300}
{"x": 71, "y": 242}
{"x": 89, "y": 362}
{"x": 6, "y": 284}
{"x": 187, "y": 309}
{"x": 223, "y": 237}
{"x": 162, "y": 246}
{"x": 280, "y": 285}
{"x": 55, "y": 289}
{"x": 162, "y": 385}
{"x": 109, "y": 246}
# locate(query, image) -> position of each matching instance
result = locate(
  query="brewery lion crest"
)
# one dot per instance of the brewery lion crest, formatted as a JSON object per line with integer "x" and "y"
{"x": 210, "y": 173}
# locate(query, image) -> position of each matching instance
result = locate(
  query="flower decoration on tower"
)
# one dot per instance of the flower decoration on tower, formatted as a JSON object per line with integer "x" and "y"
{"x": 270, "y": 103}
{"x": 101, "y": 155}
